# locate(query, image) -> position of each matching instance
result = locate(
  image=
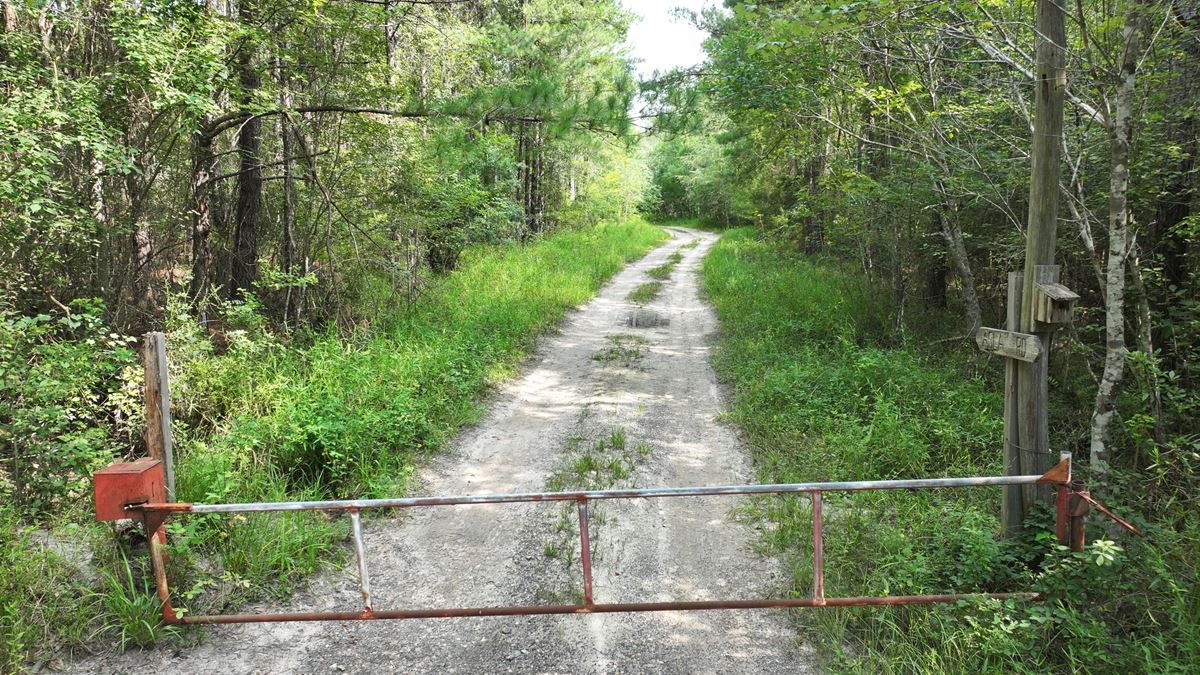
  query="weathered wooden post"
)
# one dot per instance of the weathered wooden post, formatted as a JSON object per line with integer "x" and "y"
{"x": 1045, "y": 173}
{"x": 1036, "y": 301}
{"x": 158, "y": 405}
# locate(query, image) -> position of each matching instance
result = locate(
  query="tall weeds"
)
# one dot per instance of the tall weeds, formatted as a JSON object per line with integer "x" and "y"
{"x": 826, "y": 392}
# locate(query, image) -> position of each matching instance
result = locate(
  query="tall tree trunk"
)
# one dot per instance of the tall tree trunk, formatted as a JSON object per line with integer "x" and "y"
{"x": 523, "y": 175}
{"x": 1175, "y": 206}
{"x": 957, "y": 247}
{"x": 935, "y": 270}
{"x": 8, "y": 20}
{"x": 1118, "y": 249}
{"x": 204, "y": 164}
{"x": 537, "y": 187}
{"x": 244, "y": 263}
{"x": 287, "y": 247}
{"x": 390, "y": 32}
{"x": 814, "y": 225}
{"x": 1027, "y": 446}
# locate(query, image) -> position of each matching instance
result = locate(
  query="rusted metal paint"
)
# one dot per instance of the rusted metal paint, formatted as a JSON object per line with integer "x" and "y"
{"x": 585, "y": 555}
{"x": 1060, "y": 473}
{"x": 153, "y": 515}
{"x": 642, "y": 493}
{"x": 360, "y": 553}
{"x": 121, "y": 484}
{"x": 157, "y": 543}
{"x": 532, "y": 610}
{"x": 818, "y": 552}
{"x": 1079, "y": 509}
{"x": 1062, "y": 515}
{"x": 1087, "y": 496}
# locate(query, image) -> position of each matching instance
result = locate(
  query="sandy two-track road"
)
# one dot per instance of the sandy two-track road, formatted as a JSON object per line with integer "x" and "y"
{"x": 654, "y": 549}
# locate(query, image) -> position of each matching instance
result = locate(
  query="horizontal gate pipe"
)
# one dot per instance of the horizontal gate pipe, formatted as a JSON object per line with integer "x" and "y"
{"x": 529, "y": 610}
{"x": 698, "y": 491}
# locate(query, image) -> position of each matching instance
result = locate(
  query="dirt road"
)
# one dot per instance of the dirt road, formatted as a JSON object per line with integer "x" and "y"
{"x": 659, "y": 395}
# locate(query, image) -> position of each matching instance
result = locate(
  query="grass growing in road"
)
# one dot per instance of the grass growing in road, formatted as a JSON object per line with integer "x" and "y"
{"x": 824, "y": 393}
{"x": 663, "y": 272}
{"x": 354, "y": 417}
{"x": 589, "y": 464}
{"x": 325, "y": 415}
{"x": 645, "y": 292}
{"x": 625, "y": 349}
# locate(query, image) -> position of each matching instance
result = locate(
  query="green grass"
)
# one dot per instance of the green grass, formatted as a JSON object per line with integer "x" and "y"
{"x": 663, "y": 272}
{"x": 306, "y": 417}
{"x": 46, "y": 606}
{"x": 353, "y": 417}
{"x": 825, "y": 393}
{"x": 589, "y": 463}
{"x": 625, "y": 349}
{"x": 645, "y": 292}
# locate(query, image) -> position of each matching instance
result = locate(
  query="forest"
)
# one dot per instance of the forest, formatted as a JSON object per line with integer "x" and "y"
{"x": 354, "y": 219}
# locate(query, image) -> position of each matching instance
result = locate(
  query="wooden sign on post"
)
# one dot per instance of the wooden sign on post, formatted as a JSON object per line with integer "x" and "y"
{"x": 1020, "y": 346}
{"x": 1026, "y": 436}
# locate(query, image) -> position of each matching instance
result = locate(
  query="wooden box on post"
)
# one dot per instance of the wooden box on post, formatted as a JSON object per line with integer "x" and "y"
{"x": 1053, "y": 303}
{"x": 123, "y": 483}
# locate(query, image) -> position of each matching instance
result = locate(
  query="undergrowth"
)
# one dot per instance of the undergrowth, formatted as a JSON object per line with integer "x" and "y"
{"x": 268, "y": 417}
{"x": 825, "y": 392}
{"x": 624, "y": 349}
{"x": 663, "y": 272}
{"x": 645, "y": 292}
{"x": 589, "y": 463}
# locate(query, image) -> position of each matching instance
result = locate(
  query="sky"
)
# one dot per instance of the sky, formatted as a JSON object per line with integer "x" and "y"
{"x": 660, "y": 41}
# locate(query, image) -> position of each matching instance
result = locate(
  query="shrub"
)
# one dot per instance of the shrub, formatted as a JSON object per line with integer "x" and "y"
{"x": 824, "y": 395}
{"x": 66, "y": 405}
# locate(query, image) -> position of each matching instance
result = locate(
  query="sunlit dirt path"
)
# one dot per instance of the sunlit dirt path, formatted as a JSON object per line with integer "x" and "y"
{"x": 666, "y": 397}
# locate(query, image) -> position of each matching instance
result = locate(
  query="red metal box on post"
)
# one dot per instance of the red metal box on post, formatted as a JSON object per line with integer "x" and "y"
{"x": 118, "y": 485}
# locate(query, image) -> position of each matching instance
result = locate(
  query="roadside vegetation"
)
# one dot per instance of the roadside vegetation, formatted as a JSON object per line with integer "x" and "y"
{"x": 625, "y": 350}
{"x": 267, "y": 417}
{"x": 349, "y": 218}
{"x": 644, "y": 293}
{"x": 827, "y": 391}
{"x": 590, "y": 462}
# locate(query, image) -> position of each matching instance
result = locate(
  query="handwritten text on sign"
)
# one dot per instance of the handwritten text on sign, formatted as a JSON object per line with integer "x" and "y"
{"x": 1021, "y": 346}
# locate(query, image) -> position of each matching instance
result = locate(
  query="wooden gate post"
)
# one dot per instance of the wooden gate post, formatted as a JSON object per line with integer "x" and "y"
{"x": 1050, "y": 83}
{"x": 158, "y": 405}
{"x": 1012, "y": 509}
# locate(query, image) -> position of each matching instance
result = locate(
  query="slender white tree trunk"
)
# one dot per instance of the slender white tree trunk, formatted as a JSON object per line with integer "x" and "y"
{"x": 1118, "y": 250}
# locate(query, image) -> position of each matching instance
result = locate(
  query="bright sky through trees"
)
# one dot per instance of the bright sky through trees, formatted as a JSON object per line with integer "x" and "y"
{"x": 661, "y": 41}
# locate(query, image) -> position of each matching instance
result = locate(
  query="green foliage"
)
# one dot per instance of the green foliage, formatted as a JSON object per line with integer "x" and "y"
{"x": 353, "y": 417}
{"x": 67, "y": 388}
{"x": 45, "y": 607}
{"x": 626, "y": 349}
{"x": 663, "y": 271}
{"x": 259, "y": 417}
{"x": 134, "y": 610}
{"x": 823, "y": 396}
{"x": 645, "y": 292}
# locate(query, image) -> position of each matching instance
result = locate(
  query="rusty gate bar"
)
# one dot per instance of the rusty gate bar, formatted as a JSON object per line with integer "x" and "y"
{"x": 153, "y": 515}
{"x": 585, "y": 555}
{"x": 818, "y": 551}
{"x": 360, "y": 553}
{"x": 571, "y": 496}
{"x": 604, "y": 608}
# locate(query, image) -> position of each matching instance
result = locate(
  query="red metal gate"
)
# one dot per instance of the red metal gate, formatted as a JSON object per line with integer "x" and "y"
{"x": 135, "y": 490}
